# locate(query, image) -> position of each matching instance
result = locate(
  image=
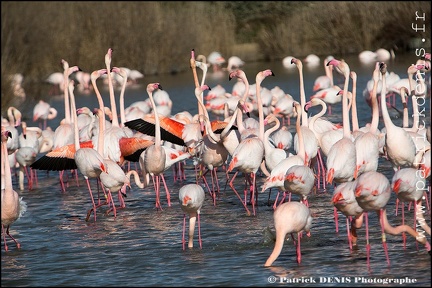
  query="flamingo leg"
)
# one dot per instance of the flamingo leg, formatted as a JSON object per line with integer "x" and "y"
{"x": 383, "y": 235}
{"x": 367, "y": 238}
{"x": 199, "y": 231}
{"x": 235, "y": 191}
{"x": 184, "y": 231}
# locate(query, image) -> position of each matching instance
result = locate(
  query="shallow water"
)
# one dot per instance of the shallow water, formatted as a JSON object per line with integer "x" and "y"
{"x": 143, "y": 246}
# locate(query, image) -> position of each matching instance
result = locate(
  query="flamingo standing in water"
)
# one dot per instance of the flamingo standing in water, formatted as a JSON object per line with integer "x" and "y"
{"x": 191, "y": 198}
{"x": 289, "y": 217}
{"x": 63, "y": 134}
{"x": 399, "y": 145}
{"x": 341, "y": 159}
{"x": 249, "y": 154}
{"x": 367, "y": 144}
{"x": 88, "y": 160}
{"x": 43, "y": 112}
{"x": 372, "y": 192}
{"x": 152, "y": 160}
{"x": 12, "y": 206}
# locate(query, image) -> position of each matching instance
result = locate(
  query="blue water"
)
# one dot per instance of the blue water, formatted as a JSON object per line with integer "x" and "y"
{"x": 143, "y": 246}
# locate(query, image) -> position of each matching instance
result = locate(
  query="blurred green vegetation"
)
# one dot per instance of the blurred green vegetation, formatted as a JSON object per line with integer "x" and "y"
{"x": 157, "y": 37}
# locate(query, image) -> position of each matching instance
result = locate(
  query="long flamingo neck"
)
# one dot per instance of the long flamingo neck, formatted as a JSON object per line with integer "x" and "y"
{"x": 11, "y": 117}
{"x": 260, "y": 109}
{"x": 385, "y": 115}
{"x": 122, "y": 112}
{"x": 6, "y": 167}
{"x": 66, "y": 96}
{"x": 100, "y": 147}
{"x": 112, "y": 98}
{"x": 302, "y": 98}
{"x": 405, "y": 121}
{"x": 276, "y": 250}
{"x": 354, "y": 106}
{"x": 345, "y": 113}
{"x": 415, "y": 113}
{"x": 318, "y": 115}
{"x": 375, "y": 109}
{"x": 195, "y": 76}
{"x": 301, "y": 149}
{"x": 246, "y": 91}
{"x": 157, "y": 121}
{"x": 268, "y": 132}
{"x": 75, "y": 122}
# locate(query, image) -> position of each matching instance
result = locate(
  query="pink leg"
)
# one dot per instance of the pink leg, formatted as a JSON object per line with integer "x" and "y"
{"x": 184, "y": 231}
{"x": 348, "y": 220}
{"x": 168, "y": 195}
{"x": 92, "y": 199}
{"x": 235, "y": 191}
{"x": 336, "y": 218}
{"x": 4, "y": 238}
{"x": 298, "y": 250}
{"x": 199, "y": 231}
{"x": 383, "y": 236}
{"x": 403, "y": 223}
{"x": 367, "y": 238}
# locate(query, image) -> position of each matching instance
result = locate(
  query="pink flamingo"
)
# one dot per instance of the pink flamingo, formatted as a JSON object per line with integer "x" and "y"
{"x": 300, "y": 179}
{"x": 249, "y": 154}
{"x": 88, "y": 160}
{"x": 409, "y": 186}
{"x": 341, "y": 159}
{"x": 63, "y": 134}
{"x": 396, "y": 137}
{"x": 43, "y": 111}
{"x": 344, "y": 201}
{"x": 191, "y": 198}
{"x": 367, "y": 144}
{"x": 12, "y": 206}
{"x": 152, "y": 160}
{"x": 289, "y": 217}
{"x": 372, "y": 192}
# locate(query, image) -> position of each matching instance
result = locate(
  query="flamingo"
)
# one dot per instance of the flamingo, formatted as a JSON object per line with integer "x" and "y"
{"x": 289, "y": 217}
{"x": 43, "y": 111}
{"x": 249, "y": 154}
{"x": 341, "y": 159}
{"x": 113, "y": 134}
{"x": 272, "y": 155}
{"x": 396, "y": 137}
{"x": 277, "y": 175}
{"x": 409, "y": 185}
{"x": 344, "y": 201}
{"x": 27, "y": 152}
{"x": 310, "y": 141}
{"x": 89, "y": 161}
{"x": 56, "y": 79}
{"x": 372, "y": 192}
{"x": 152, "y": 160}
{"x": 63, "y": 134}
{"x": 191, "y": 198}
{"x": 215, "y": 60}
{"x": 234, "y": 62}
{"x": 12, "y": 206}
{"x": 282, "y": 138}
{"x": 300, "y": 179}
{"x": 14, "y": 116}
{"x": 324, "y": 81}
{"x": 367, "y": 144}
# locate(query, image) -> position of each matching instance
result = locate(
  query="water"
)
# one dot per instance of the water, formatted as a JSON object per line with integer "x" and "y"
{"x": 142, "y": 246}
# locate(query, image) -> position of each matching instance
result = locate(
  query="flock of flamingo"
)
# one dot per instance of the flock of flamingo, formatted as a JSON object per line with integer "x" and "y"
{"x": 87, "y": 144}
